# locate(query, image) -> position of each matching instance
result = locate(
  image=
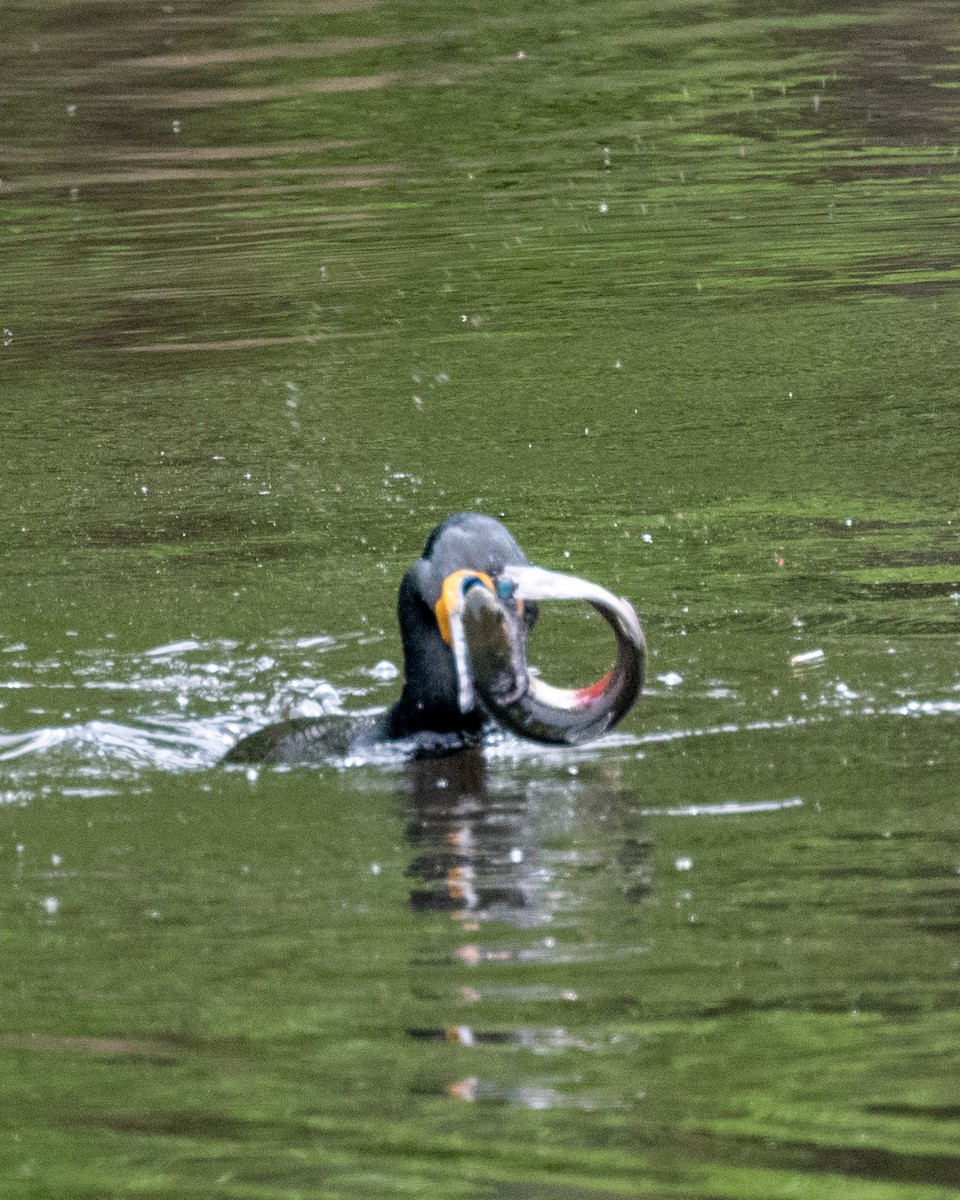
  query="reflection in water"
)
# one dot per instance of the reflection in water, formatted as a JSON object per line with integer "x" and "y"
{"x": 481, "y": 858}
{"x": 477, "y": 856}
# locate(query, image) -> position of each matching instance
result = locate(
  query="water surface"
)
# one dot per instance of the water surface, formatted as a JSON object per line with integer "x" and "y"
{"x": 671, "y": 288}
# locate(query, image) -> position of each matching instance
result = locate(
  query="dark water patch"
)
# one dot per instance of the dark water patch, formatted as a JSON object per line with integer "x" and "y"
{"x": 191, "y": 1127}
{"x": 879, "y": 1163}
{"x": 821, "y": 1004}
{"x": 943, "y": 1112}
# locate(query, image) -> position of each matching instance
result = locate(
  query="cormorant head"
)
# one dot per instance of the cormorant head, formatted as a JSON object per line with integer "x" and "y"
{"x": 467, "y": 550}
{"x": 465, "y": 608}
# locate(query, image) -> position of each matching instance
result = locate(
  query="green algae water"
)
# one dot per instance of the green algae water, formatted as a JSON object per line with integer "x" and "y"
{"x": 670, "y": 288}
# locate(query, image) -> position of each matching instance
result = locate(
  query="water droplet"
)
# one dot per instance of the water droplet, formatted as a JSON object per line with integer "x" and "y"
{"x": 684, "y": 864}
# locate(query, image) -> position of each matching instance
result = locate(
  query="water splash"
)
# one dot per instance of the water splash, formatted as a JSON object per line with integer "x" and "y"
{"x": 179, "y": 706}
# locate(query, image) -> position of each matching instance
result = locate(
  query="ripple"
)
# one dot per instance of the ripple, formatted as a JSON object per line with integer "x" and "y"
{"x": 248, "y": 343}
{"x": 228, "y": 56}
{"x": 190, "y": 98}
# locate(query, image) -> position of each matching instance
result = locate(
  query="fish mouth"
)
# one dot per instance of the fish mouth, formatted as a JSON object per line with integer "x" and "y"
{"x": 492, "y": 636}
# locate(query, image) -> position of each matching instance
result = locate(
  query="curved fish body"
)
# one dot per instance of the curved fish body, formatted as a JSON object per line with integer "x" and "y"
{"x": 524, "y": 703}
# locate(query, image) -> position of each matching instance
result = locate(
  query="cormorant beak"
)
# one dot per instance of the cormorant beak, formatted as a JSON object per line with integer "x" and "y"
{"x": 493, "y": 639}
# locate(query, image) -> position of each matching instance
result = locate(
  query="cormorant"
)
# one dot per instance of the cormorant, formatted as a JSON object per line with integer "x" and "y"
{"x": 464, "y": 608}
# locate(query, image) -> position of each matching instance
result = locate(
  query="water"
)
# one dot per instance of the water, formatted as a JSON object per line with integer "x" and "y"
{"x": 670, "y": 287}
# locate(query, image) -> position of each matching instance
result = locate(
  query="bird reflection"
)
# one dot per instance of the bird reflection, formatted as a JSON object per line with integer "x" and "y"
{"x": 480, "y": 859}
{"x": 477, "y": 856}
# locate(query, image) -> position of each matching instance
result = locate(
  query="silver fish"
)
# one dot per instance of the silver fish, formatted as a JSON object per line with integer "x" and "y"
{"x": 493, "y": 642}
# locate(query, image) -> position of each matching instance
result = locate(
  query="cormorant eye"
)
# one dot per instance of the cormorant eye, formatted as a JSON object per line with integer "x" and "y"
{"x": 505, "y": 589}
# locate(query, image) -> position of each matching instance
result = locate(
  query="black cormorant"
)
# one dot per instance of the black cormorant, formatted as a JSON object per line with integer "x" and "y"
{"x": 465, "y": 607}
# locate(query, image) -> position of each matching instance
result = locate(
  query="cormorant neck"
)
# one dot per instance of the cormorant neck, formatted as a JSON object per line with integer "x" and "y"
{"x": 429, "y": 700}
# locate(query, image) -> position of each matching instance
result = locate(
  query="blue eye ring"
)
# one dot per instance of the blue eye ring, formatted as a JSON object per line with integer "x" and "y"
{"x": 505, "y": 589}
{"x": 470, "y": 581}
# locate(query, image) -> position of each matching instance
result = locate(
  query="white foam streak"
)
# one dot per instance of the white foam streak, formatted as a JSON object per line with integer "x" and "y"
{"x": 724, "y": 809}
{"x": 189, "y": 745}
